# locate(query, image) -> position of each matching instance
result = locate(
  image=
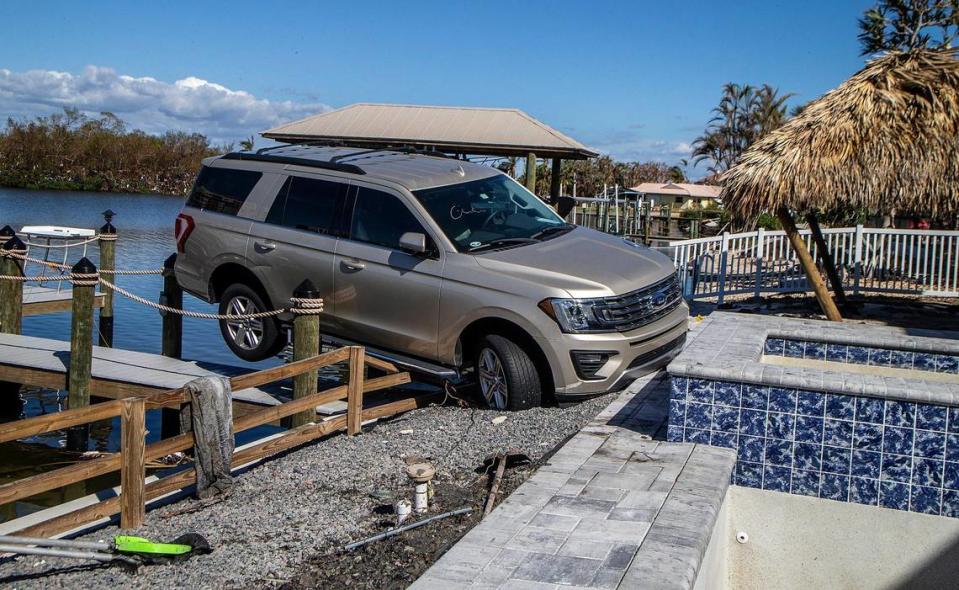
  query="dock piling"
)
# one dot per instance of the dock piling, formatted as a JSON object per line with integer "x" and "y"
{"x": 306, "y": 344}
{"x": 172, "y": 339}
{"x": 107, "y": 242}
{"x": 11, "y": 315}
{"x": 81, "y": 347}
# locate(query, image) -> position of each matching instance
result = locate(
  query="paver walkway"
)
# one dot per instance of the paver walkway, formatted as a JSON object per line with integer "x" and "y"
{"x": 614, "y": 507}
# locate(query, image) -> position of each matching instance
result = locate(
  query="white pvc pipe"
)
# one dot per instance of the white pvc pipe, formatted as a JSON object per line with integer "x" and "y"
{"x": 420, "y": 499}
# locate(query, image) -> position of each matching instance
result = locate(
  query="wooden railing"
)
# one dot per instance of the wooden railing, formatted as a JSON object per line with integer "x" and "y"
{"x": 134, "y": 453}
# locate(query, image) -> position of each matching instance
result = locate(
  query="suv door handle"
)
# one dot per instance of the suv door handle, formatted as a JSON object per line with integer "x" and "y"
{"x": 263, "y": 247}
{"x": 354, "y": 265}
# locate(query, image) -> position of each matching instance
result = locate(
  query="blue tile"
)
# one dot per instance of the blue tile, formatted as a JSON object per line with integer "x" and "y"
{"x": 867, "y": 437}
{"x": 900, "y": 413}
{"x": 697, "y": 436}
{"x": 895, "y": 440}
{"x": 901, "y": 359}
{"x": 815, "y": 351}
{"x": 950, "y": 503}
{"x": 952, "y": 447}
{"x": 805, "y": 483}
{"x": 834, "y": 487}
{"x": 699, "y": 416}
{"x": 836, "y": 353}
{"x": 811, "y": 403}
{"x": 752, "y": 422}
{"x": 858, "y": 355}
{"x": 700, "y": 390}
{"x": 806, "y": 456}
{"x": 947, "y": 364}
{"x": 927, "y": 472}
{"x": 953, "y": 425}
{"x": 677, "y": 412}
{"x": 929, "y": 444}
{"x": 725, "y": 418}
{"x": 864, "y": 491}
{"x": 925, "y": 361}
{"x": 930, "y": 417}
{"x": 869, "y": 409}
{"x": 749, "y": 474}
{"x": 726, "y": 393}
{"x": 809, "y": 429}
{"x": 840, "y": 407}
{"x": 779, "y": 452}
{"x": 894, "y": 495}
{"x": 677, "y": 387}
{"x": 835, "y": 460}
{"x": 727, "y": 440}
{"x": 926, "y": 500}
{"x": 755, "y": 396}
{"x": 674, "y": 434}
{"x": 794, "y": 348}
{"x": 896, "y": 468}
{"x": 782, "y": 400}
{"x": 752, "y": 448}
{"x": 837, "y": 433}
{"x": 781, "y": 426}
{"x": 776, "y": 478}
{"x": 950, "y": 477}
{"x": 879, "y": 357}
{"x": 866, "y": 464}
{"x": 773, "y": 346}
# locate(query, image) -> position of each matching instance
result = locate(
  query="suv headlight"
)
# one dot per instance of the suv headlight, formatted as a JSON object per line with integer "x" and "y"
{"x": 574, "y": 315}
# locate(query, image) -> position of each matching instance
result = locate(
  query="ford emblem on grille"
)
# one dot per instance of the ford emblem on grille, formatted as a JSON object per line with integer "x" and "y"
{"x": 660, "y": 297}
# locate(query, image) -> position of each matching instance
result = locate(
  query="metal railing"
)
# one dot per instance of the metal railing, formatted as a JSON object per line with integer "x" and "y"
{"x": 924, "y": 262}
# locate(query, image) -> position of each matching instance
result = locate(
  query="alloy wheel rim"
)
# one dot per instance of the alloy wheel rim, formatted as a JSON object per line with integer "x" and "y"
{"x": 246, "y": 334}
{"x": 492, "y": 380}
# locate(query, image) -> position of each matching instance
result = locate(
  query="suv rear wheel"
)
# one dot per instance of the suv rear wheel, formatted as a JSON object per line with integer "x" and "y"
{"x": 250, "y": 339}
{"x": 507, "y": 377}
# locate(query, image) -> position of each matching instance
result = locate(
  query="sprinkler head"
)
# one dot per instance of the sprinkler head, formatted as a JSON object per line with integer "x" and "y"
{"x": 420, "y": 472}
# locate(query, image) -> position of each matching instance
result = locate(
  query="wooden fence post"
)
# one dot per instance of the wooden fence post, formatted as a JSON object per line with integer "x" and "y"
{"x": 760, "y": 256}
{"x": 723, "y": 267}
{"x": 11, "y": 316}
{"x": 354, "y": 397}
{"x": 858, "y": 263}
{"x": 306, "y": 343}
{"x": 81, "y": 348}
{"x": 132, "y": 463}
{"x": 171, "y": 343}
{"x": 107, "y": 242}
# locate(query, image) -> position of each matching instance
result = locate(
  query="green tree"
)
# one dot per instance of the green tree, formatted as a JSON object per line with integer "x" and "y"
{"x": 247, "y": 144}
{"x": 908, "y": 24}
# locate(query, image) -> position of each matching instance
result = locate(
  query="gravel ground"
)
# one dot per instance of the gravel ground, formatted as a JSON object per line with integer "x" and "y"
{"x": 314, "y": 499}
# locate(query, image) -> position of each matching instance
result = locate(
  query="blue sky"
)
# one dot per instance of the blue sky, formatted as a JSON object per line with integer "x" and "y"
{"x": 634, "y": 79}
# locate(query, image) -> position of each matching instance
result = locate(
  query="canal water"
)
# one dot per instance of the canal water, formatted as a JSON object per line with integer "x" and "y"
{"x": 145, "y": 227}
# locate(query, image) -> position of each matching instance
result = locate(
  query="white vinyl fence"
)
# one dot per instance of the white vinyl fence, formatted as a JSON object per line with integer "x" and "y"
{"x": 923, "y": 262}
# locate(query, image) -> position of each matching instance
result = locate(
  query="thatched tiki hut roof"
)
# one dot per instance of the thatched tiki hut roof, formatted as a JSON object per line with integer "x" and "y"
{"x": 885, "y": 138}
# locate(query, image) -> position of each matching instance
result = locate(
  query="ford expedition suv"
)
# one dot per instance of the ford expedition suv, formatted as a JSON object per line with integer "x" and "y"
{"x": 439, "y": 265}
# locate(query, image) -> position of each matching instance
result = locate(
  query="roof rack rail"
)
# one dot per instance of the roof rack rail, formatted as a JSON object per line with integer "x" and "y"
{"x": 294, "y": 161}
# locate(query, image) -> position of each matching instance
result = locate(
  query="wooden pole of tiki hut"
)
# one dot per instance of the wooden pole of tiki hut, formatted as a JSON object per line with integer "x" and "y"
{"x": 827, "y": 260}
{"x": 809, "y": 267}
{"x": 531, "y": 172}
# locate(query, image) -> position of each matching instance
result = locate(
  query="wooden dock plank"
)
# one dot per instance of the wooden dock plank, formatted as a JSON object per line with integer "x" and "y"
{"x": 39, "y": 300}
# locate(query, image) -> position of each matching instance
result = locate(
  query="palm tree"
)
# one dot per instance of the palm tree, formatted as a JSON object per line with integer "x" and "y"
{"x": 908, "y": 24}
{"x": 247, "y": 144}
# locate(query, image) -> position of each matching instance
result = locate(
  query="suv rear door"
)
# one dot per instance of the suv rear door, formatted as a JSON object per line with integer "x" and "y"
{"x": 297, "y": 239}
{"x": 386, "y": 297}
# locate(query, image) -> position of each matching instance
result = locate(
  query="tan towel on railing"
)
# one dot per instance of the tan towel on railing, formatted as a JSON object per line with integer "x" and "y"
{"x": 212, "y": 421}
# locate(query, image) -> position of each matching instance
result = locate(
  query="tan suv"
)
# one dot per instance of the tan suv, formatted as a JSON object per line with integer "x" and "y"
{"x": 442, "y": 266}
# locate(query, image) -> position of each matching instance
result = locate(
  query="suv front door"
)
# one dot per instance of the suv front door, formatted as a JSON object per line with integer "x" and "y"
{"x": 386, "y": 297}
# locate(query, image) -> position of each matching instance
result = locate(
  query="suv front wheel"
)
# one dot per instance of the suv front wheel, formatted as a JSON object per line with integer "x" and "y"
{"x": 506, "y": 375}
{"x": 250, "y": 339}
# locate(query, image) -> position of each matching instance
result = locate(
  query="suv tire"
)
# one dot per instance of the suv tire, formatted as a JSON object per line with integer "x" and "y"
{"x": 506, "y": 376}
{"x": 251, "y": 340}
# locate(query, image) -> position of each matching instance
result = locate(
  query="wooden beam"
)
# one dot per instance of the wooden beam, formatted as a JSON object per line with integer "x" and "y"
{"x": 826, "y": 256}
{"x": 809, "y": 267}
{"x": 132, "y": 470}
{"x": 48, "y": 423}
{"x": 381, "y": 364}
{"x": 354, "y": 395}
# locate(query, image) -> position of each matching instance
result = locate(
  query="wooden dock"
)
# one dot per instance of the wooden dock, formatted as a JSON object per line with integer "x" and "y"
{"x": 40, "y": 300}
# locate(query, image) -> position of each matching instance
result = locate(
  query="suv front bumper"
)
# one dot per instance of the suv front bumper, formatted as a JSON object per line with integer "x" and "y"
{"x": 631, "y": 355}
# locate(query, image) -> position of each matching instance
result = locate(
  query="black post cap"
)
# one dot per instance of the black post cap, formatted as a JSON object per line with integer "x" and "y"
{"x": 306, "y": 290}
{"x": 108, "y": 215}
{"x": 7, "y": 231}
{"x": 14, "y": 243}
{"x": 84, "y": 266}
{"x": 169, "y": 262}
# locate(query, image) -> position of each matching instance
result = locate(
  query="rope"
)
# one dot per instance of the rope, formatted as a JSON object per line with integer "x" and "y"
{"x": 63, "y": 267}
{"x": 305, "y": 306}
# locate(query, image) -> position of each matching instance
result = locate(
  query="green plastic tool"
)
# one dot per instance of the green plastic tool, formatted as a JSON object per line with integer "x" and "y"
{"x": 141, "y": 546}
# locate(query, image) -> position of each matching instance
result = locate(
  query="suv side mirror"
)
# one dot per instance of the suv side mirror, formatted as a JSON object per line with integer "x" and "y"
{"x": 413, "y": 243}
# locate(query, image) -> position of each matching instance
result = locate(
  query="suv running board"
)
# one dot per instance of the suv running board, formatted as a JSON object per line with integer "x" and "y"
{"x": 410, "y": 364}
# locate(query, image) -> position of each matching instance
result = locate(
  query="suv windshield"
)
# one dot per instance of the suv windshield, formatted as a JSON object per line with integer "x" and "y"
{"x": 490, "y": 212}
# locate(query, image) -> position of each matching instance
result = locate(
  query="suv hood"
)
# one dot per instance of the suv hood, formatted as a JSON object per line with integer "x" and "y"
{"x": 584, "y": 262}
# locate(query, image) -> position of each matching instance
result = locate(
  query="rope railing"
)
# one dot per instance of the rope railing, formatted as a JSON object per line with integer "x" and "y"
{"x": 20, "y": 255}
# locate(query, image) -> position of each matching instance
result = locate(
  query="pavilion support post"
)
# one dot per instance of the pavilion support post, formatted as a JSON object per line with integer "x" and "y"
{"x": 531, "y": 172}
{"x": 827, "y": 260}
{"x": 556, "y": 169}
{"x": 809, "y": 267}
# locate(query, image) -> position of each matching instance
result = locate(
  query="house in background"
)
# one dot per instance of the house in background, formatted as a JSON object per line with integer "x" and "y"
{"x": 678, "y": 195}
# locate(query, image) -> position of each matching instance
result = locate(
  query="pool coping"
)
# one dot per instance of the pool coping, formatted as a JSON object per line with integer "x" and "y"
{"x": 731, "y": 347}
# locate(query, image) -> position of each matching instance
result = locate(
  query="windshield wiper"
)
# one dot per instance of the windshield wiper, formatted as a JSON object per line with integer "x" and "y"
{"x": 502, "y": 243}
{"x": 557, "y": 230}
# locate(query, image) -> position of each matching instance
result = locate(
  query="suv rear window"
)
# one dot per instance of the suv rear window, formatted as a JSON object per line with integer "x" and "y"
{"x": 222, "y": 190}
{"x": 308, "y": 204}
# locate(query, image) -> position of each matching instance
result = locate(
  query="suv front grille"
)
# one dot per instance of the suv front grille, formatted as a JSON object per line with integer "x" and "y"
{"x": 638, "y": 308}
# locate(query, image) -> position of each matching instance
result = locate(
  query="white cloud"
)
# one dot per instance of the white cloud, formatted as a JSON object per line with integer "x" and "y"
{"x": 191, "y": 104}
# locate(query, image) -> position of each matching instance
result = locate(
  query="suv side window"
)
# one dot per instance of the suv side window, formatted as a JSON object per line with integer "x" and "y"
{"x": 380, "y": 218}
{"x": 308, "y": 204}
{"x": 222, "y": 190}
